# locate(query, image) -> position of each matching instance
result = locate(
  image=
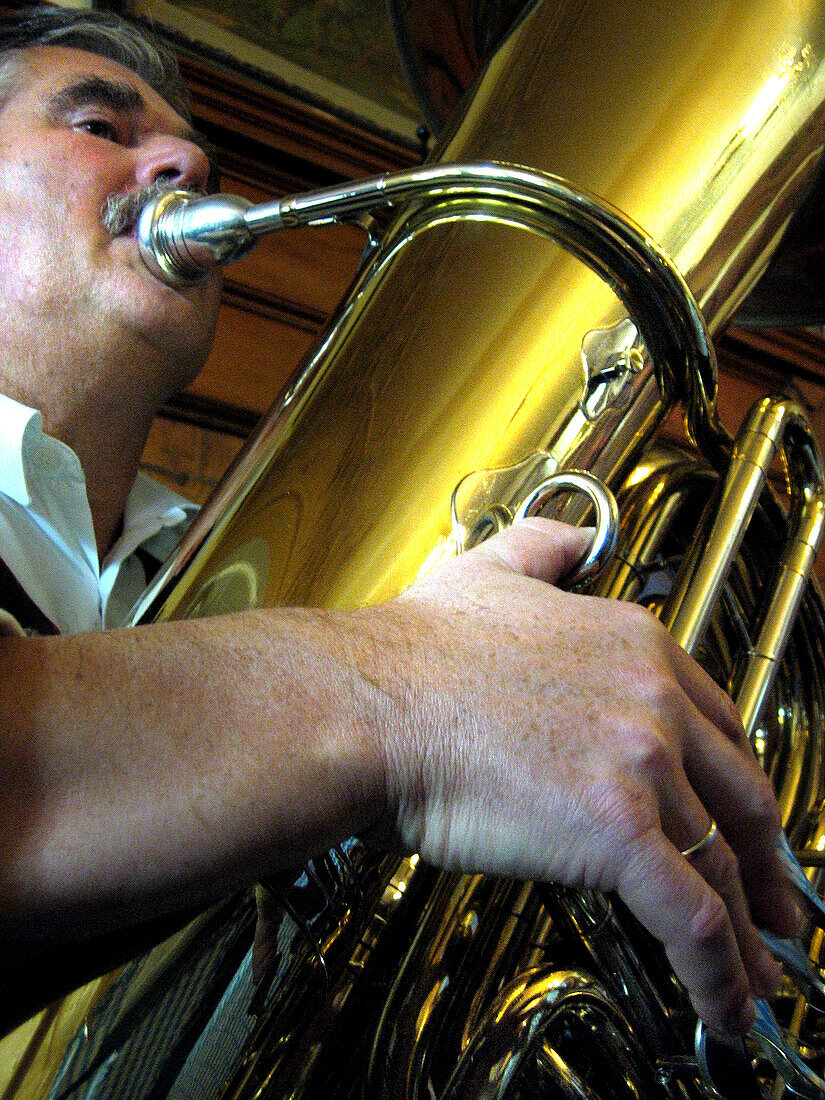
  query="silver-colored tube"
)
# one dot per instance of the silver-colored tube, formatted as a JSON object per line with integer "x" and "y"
{"x": 515, "y": 1027}
{"x": 182, "y": 238}
{"x": 607, "y": 517}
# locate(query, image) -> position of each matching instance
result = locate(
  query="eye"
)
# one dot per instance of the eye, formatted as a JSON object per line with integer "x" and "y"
{"x": 98, "y": 127}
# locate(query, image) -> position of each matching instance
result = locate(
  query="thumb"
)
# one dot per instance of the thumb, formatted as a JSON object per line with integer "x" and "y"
{"x": 540, "y": 548}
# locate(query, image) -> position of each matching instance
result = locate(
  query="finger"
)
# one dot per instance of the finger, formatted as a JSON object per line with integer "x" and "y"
{"x": 678, "y": 906}
{"x": 729, "y": 781}
{"x": 685, "y": 821}
{"x": 739, "y": 796}
{"x": 543, "y": 549}
{"x": 708, "y": 698}
{"x": 720, "y": 869}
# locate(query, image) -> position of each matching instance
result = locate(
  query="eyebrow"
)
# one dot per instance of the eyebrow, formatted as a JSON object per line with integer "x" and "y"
{"x": 95, "y": 91}
{"x": 121, "y": 97}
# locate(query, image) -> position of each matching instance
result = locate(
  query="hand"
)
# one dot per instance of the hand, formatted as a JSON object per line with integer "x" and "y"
{"x": 529, "y": 732}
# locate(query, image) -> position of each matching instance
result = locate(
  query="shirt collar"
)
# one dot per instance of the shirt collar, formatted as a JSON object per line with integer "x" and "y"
{"x": 20, "y": 428}
{"x": 150, "y": 506}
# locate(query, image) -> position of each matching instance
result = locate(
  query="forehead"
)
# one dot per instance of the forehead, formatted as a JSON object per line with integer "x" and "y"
{"x": 49, "y": 70}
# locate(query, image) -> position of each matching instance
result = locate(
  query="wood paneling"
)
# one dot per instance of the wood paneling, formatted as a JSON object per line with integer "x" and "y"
{"x": 188, "y": 457}
{"x": 253, "y": 113}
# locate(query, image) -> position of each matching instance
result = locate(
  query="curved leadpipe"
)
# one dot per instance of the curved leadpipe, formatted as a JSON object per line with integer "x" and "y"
{"x": 183, "y": 237}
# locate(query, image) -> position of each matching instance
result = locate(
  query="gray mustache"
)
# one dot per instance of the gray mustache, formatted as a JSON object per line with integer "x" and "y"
{"x": 120, "y": 212}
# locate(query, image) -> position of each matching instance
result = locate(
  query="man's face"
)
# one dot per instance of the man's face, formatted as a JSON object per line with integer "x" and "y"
{"x": 77, "y": 129}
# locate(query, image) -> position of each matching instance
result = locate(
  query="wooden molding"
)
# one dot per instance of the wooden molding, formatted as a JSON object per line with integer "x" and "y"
{"x": 274, "y": 307}
{"x": 796, "y": 352}
{"x": 211, "y": 414}
{"x": 238, "y": 107}
{"x": 232, "y": 103}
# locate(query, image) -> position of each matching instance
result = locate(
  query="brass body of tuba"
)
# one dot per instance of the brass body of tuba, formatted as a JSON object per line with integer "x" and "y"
{"x": 493, "y": 341}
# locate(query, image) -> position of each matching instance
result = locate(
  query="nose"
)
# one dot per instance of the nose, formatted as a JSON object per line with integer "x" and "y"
{"x": 176, "y": 160}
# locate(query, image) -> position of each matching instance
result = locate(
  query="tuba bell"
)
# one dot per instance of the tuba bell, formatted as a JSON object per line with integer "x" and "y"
{"x": 512, "y": 326}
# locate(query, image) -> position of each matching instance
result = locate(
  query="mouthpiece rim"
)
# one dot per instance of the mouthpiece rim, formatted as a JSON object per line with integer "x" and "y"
{"x": 183, "y": 237}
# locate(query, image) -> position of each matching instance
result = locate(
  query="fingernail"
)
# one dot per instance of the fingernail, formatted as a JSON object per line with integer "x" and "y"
{"x": 735, "y": 1017}
{"x": 734, "y": 1043}
{"x": 747, "y": 1016}
{"x": 795, "y": 918}
{"x": 740, "y": 1018}
{"x": 788, "y": 919}
{"x": 769, "y": 977}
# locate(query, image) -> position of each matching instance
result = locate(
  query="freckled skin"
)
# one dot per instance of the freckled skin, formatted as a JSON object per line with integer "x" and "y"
{"x": 485, "y": 718}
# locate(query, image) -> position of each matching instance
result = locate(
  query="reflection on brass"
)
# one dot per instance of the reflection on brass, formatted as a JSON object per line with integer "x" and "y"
{"x": 459, "y": 352}
{"x": 611, "y": 358}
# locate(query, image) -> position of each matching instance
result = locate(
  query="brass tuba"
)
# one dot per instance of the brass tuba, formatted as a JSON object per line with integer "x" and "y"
{"x": 509, "y": 327}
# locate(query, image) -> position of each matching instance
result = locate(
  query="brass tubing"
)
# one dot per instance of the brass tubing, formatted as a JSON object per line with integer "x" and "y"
{"x": 515, "y": 1028}
{"x": 779, "y": 617}
{"x": 641, "y": 274}
{"x": 772, "y": 423}
{"x": 183, "y": 237}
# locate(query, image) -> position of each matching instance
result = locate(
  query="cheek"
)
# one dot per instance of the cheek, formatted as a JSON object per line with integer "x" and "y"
{"x": 66, "y": 190}
{"x": 34, "y": 204}
{"x": 36, "y": 268}
{"x": 28, "y": 269}
{"x": 50, "y": 227}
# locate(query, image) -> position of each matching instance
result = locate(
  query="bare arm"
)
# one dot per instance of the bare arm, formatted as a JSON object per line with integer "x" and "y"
{"x": 485, "y": 719}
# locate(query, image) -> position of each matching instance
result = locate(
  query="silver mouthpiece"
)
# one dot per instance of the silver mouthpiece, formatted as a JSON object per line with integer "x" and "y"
{"x": 183, "y": 237}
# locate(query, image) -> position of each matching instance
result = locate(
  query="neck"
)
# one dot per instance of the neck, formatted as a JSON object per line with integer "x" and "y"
{"x": 109, "y": 452}
{"x": 104, "y": 414}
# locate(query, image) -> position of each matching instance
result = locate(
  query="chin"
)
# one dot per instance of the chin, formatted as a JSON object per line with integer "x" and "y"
{"x": 182, "y": 319}
{"x": 138, "y": 285}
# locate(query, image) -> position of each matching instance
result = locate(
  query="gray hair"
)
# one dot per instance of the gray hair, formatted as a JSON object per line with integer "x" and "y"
{"x": 97, "y": 32}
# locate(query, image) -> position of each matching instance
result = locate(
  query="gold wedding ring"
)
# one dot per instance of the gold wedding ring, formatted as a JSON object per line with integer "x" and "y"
{"x": 703, "y": 843}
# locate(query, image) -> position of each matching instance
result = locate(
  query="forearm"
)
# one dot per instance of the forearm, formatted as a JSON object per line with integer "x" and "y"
{"x": 159, "y": 767}
{"x": 485, "y": 718}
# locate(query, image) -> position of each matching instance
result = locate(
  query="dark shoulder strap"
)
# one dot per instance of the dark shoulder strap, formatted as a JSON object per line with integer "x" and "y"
{"x": 15, "y": 600}
{"x": 148, "y": 561}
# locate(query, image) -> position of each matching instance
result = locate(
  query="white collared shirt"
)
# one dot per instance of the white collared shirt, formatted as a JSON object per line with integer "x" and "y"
{"x": 46, "y": 535}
